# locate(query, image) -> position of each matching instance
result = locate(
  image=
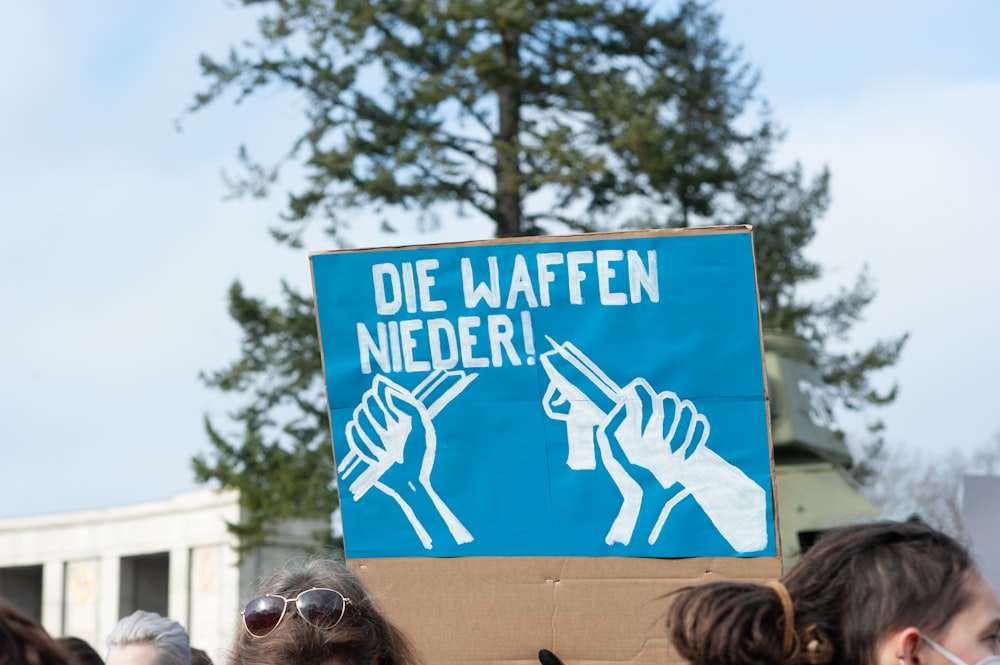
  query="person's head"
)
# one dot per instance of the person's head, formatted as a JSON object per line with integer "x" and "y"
{"x": 870, "y": 594}
{"x": 23, "y": 641}
{"x": 146, "y": 638}
{"x": 200, "y": 657}
{"x": 80, "y": 651}
{"x": 335, "y": 621}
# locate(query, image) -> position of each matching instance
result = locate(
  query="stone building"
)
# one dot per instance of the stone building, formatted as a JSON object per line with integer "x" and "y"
{"x": 79, "y": 572}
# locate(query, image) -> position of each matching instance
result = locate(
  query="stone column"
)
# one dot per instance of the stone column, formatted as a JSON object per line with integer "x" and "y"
{"x": 108, "y": 597}
{"x": 179, "y": 599}
{"x": 53, "y": 596}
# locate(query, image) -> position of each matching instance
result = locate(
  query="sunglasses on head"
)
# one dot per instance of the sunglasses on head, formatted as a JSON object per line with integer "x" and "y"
{"x": 322, "y": 608}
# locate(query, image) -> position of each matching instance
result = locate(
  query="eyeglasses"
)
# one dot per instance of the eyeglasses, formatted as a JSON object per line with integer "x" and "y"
{"x": 989, "y": 660}
{"x": 322, "y": 608}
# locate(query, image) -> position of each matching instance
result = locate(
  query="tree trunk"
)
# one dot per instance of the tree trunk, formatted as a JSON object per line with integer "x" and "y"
{"x": 508, "y": 167}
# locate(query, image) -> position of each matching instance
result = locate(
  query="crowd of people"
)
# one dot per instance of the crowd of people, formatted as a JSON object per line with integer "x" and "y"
{"x": 141, "y": 638}
{"x": 884, "y": 593}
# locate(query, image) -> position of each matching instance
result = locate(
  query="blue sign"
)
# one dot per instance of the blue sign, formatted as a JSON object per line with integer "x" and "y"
{"x": 577, "y": 396}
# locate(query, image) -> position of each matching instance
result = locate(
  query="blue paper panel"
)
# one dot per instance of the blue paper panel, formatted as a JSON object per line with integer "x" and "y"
{"x": 575, "y": 397}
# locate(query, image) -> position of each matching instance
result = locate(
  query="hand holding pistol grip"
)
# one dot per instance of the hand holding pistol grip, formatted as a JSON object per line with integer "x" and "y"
{"x": 581, "y": 395}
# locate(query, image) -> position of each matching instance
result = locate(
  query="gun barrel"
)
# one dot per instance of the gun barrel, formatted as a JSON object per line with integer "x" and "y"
{"x": 582, "y": 373}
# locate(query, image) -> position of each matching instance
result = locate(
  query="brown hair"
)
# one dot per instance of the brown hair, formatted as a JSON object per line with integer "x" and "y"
{"x": 852, "y": 589}
{"x": 80, "y": 651}
{"x": 23, "y": 641}
{"x": 363, "y": 637}
{"x": 200, "y": 657}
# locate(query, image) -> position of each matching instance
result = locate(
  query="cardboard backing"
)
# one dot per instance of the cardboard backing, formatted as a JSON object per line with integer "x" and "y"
{"x": 593, "y": 610}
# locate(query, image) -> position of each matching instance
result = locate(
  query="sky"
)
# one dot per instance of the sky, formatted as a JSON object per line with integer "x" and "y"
{"x": 118, "y": 243}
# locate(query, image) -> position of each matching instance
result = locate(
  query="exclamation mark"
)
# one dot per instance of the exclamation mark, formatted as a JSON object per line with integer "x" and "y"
{"x": 529, "y": 337}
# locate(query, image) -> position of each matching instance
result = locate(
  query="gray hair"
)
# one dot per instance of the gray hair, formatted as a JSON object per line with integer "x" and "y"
{"x": 167, "y": 637}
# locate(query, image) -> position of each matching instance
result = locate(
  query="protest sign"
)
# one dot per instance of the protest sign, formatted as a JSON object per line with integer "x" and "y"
{"x": 520, "y": 404}
{"x": 583, "y": 396}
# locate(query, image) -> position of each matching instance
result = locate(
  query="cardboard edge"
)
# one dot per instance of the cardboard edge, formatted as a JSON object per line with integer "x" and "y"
{"x": 568, "y": 237}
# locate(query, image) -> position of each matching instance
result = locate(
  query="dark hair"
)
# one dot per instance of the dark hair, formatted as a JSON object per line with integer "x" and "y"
{"x": 23, "y": 641}
{"x": 200, "y": 657}
{"x": 849, "y": 591}
{"x": 80, "y": 651}
{"x": 363, "y": 637}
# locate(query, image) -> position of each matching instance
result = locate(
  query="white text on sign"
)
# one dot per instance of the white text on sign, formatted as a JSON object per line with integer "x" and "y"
{"x": 612, "y": 277}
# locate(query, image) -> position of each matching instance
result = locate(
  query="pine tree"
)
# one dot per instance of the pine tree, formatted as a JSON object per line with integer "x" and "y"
{"x": 541, "y": 116}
